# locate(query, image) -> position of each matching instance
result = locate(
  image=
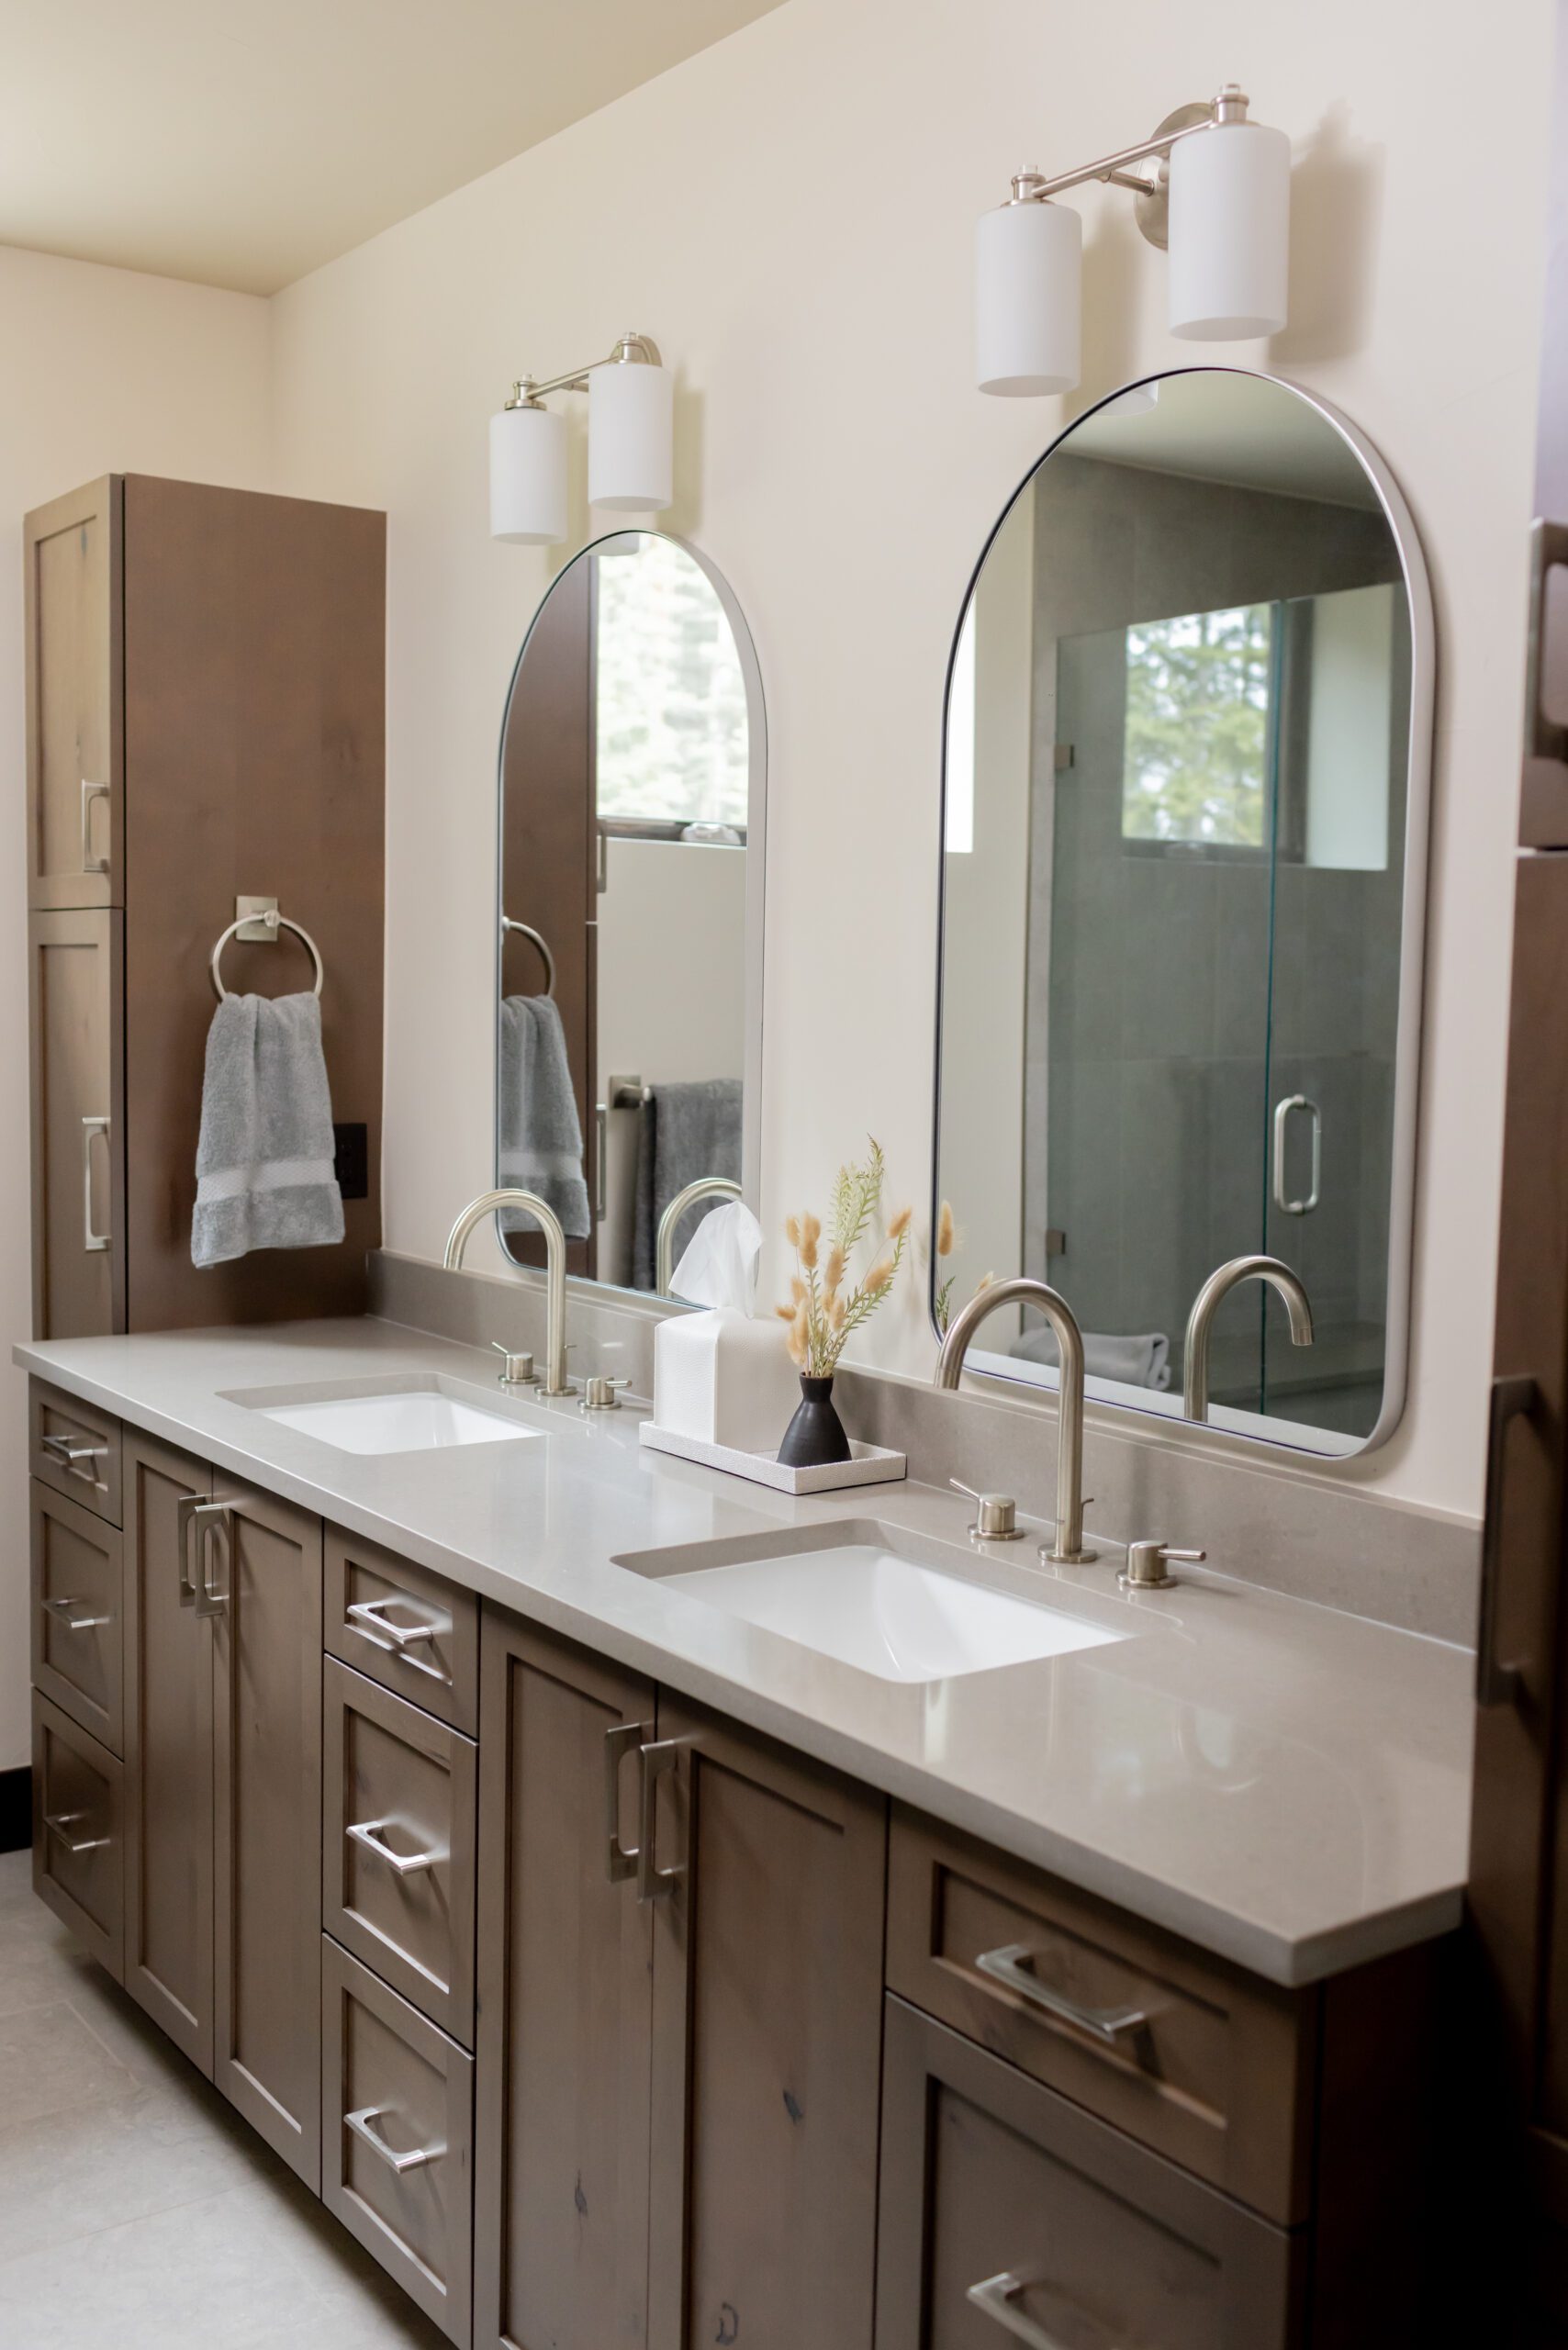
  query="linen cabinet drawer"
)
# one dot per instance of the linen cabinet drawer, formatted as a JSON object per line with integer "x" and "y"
{"x": 1207, "y": 2067}
{"x": 397, "y": 2138}
{"x": 78, "y": 1833}
{"x": 406, "y": 1628}
{"x": 400, "y": 1797}
{"x": 1009, "y": 2215}
{"x": 74, "y": 1448}
{"x": 77, "y": 1604}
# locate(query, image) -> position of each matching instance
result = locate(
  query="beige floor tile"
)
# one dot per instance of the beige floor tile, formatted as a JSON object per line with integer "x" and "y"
{"x": 52, "y": 2061}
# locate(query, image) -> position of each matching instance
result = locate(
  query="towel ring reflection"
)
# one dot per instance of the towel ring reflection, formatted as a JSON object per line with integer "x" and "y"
{"x": 528, "y": 931}
{"x": 274, "y": 922}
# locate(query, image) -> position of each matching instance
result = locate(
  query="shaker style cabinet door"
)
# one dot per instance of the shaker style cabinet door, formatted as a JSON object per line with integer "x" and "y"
{"x": 260, "y": 1587}
{"x": 766, "y": 1876}
{"x": 562, "y": 2059}
{"x": 74, "y": 986}
{"x": 72, "y": 594}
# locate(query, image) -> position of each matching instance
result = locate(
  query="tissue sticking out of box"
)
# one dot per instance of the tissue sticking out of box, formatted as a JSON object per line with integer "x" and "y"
{"x": 723, "y": 1375}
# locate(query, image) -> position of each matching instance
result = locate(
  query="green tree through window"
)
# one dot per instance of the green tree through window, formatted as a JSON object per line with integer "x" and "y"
{"x": 1196, "y": 759}
{"x": 672, "y": 714}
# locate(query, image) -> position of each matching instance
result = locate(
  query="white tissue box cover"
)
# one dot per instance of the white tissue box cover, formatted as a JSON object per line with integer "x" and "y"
{"x": 726, "y": 1379}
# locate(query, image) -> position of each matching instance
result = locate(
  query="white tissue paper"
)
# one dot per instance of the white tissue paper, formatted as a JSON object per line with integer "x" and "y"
{"x": 723, "y": 1376}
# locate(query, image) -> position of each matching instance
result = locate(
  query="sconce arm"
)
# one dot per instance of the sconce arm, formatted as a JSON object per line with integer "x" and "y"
{"x": 633, "y": 350}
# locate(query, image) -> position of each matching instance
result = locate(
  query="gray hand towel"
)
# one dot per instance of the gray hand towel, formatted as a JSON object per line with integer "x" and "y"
{"x": 688, "y": 1130}
{"x": 264, "y": 1160}
{"x": 541, "y": 1134}
{"x": 1134, "y": 1362}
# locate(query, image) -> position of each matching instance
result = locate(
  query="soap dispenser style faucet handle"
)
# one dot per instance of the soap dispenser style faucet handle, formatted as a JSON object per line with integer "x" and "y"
{"x": 600, "y": 1395}
{"x": 516, "y": 1371}
{"x": 995, "y": 1514}
{"x": 1146, "y": 1561}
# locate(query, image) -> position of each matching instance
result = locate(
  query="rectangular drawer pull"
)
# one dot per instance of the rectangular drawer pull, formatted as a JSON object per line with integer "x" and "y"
{"x": 653, "y": 1881}
{"x": 368, "y": 1834}
{"x": 66, "y": 1451}
{"x": 397, "y": 1640}
{"x": 61, "y": 1823}
{"x": 60, "y": 1611}
{"x": 362, "y": 2125}
{"x": 996, "y": 2297}
{"x": 1007, "y": 1966}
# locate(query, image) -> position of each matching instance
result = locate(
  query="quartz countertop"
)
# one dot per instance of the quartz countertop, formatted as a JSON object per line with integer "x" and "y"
{"x": 1284, "y": 1785}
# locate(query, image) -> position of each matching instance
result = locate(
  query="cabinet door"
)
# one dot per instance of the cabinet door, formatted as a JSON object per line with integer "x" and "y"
{"x": 71, "y": 591}
{"x": 1009, "y": 2215}
{"x": 74, "y": 991}
{"x": 561, "y": 2225}
{"x": 76, "y": 1612}
{"x": 168, "y": 1750}
{"x": 262, "y": 1578}
{"x": 766, "y": 1875}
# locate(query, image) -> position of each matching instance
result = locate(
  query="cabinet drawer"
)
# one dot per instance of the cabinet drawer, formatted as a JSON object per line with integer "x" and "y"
{"x": 78, "y": 1839}
{"x": 397, "y": 2138}
{"x": 77, "y": 1606}
{"x": 1207, "y": 2065}
{"x": 1008, "y": 2214}
{"x": 74, "y": 1448}
{"x": 397, "y": 1845}
{"x": 415, "y": 1634}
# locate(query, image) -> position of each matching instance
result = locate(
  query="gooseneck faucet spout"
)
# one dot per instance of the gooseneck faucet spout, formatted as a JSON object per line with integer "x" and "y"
{"x": 1200, "y": 1322}
{"x": 549, "y": 1223}
{"x": 1068, "y": 1548}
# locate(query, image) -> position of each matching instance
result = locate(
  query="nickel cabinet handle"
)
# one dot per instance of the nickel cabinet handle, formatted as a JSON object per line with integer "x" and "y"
{"x": 68, "y": 1452}
{"x": 368, "y": 1832}
{"x": 61, "y": 1823}
{"x": 92, "y": 1241}
{"x": 619, "y": 1740}
{"x": 999, "y": 2297}
{"x": 214, "y": 1522}
{"x": 1110, "y": 2025}
{"x": 657, "y": 1761}
{"x": 363, "y": 2124}
{"x": 91, "y": 791}
{"x": 399, "y": 1640}
{"x": 60, "y": 1611}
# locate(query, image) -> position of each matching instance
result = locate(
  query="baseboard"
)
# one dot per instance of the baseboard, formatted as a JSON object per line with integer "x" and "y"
{"x": 15, "y": 1810}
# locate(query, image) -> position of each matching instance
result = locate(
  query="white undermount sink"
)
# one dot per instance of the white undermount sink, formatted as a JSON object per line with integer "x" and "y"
{"x": 405, "y": 1418}
{"x": 845, "y": 1592}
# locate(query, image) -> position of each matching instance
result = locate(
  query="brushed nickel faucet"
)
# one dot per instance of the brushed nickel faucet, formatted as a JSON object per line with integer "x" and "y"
{"x": 1068, "y": 1549}
{"x": 1219, "y": 1284}
{"x": 555, "y": 1379}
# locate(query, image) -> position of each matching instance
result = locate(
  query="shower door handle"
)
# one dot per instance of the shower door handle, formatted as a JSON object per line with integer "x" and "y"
{"x": 1283, "y": 1200}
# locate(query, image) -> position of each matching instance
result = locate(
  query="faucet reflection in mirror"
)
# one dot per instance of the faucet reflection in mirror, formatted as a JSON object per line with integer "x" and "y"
{"x": 1218, "y": 1286}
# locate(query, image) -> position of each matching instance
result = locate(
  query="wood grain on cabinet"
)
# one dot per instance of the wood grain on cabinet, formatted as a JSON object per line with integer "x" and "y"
{"x": 768, "y": 1988}
{"x": 994, "y": 2186}
{"x": 168, "y": 1754}
{"x": 408, "y": 1784}
{"x": 79, "y": 1833}
{"x": 565, "y": 2024}
{"x": 76, "y": 1012}
{"x": 266, "y": 1874}
{"x": 427, "y": 1646}
{"x": 74, "y": 1448}
{"x": 410, "y": 2092}
{"x": 77, "y": 1614}
{"x": 72, "y": 574}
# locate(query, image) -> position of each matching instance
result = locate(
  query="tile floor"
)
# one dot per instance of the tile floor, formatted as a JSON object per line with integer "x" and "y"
{"x": 135, "y": 2209}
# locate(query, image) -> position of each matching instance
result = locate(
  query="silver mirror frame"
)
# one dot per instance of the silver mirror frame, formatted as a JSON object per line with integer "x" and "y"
{"x": 1412, "y": 916}
{"x": 757, "y": 864}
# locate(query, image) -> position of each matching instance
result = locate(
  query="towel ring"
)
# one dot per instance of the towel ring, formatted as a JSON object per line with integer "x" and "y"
{"x": 528, "y": 931}
{"x": 274, "y": 922}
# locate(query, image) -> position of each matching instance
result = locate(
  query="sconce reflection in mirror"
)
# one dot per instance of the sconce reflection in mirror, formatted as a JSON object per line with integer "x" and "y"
{"x": 1209, "y": 186}
{"x": 630, "y": 444}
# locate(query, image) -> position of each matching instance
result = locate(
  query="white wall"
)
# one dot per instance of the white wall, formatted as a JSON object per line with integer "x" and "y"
{"x": 791, "y": 215}
{"x": 671, "y": 961}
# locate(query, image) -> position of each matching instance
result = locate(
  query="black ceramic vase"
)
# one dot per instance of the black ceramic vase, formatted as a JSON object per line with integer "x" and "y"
{"x": 815, "y": 1435}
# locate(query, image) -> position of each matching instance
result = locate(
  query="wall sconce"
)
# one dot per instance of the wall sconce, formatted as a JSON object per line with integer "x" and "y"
{"x": 1214, "y": 188}
{"x": 630, "y": 444}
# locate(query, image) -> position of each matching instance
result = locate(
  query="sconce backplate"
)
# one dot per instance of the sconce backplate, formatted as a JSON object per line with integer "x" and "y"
{"x": 1153, "y": 209}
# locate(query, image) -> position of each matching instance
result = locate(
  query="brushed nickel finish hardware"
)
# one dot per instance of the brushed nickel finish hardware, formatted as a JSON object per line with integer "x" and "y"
{"x": 995, "y": 1514}
{"x": 601, "y": 1156}
{"x": 361, "y": 2123}
{"x": 555, "y": 1379}
{"x": 1547, "y": 734}
{"x": 1066, "y": 1548}
{"x": 1149, "y": 188}
{"x": 1497, "y": 1683}
{"x": 68, "y": 1452}
{"x": 631, "y": 350}
{"x": 620, "y": 1740}
{"x": 657, "y": 1761}
{"x": 92, "y": 1241}
{"x": 1146, "y": 1561}
{"x": 60, "y": 1824}
{"x": 186, "y": 1510}
{"x": 537, "y": 938}
{"x": 1007, "y": 1966}
{"x": 706, "y": 1187}
{"x": 600, "y": 1395}
{"x": 372, "y": 1624}
{"x": 1200, "y": 1322}
{"x": 516, "y": 1370}
{"x": 91, "y": 791}
{"x": 1283, "y": 1114}
{"x": 996, "y": 2298}
{"x": 272, "y": 922}
{"x": 214, "y": 1522}
{"x": 59, "y": 1611}
{"x": 367, "y": 1833}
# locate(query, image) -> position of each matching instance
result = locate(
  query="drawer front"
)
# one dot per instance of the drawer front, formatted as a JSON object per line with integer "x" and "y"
{"x": 397, "y": 2138}
{"x": 77, "y": 1604}
{"x": 397, "y": 1845}
{"x": 415, "y": 1634}
{"x": 78, "y": 1836}
{"x": 1207, "y": 2065}
{"x": 1009, "y": 2215}
{"x": 74, "y": 1448}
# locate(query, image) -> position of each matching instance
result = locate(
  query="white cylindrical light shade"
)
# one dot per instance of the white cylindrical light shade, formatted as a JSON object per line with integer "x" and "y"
{"x": 630, "y": 436}
{"x": 528, "y": 477}
{"x": 1230, "y": 217}
{"x": 1029, "y": 288}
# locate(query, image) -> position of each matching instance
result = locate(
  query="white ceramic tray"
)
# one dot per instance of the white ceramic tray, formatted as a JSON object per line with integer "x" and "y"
{"x": 871, "y": 1465}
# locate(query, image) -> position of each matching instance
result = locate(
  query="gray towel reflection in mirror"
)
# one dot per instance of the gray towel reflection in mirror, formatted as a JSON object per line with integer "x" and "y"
{"x": 1133, "y": 1362}
{"x": 688, "y": 1130}
{"x": 540, "y": 1136}
{"x": 265, "y": 1159}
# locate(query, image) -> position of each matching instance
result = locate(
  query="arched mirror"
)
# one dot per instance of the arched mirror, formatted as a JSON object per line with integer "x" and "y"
{"x": 1185, "y": 791}
{"x": 629, "y": 1022}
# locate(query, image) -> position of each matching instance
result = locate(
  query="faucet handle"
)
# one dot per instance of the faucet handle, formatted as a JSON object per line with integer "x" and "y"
{"x": 600, "y": 1395}
{"x": 995, "y": 1514}
{"x": 516, "y": 1370}
{"x": 1146, "y": 1561}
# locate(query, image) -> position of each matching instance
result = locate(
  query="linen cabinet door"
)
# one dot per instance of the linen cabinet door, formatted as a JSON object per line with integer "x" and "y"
{"x": 1009, "y": 2215}
{"x": 766, "y": 1873}
{"x": 73, "y": 596}
{"x": 168, "y": 1749}
{"x": 562, "y": 2055}
{"x": 261, "y": 1591}
{"x": 76, "y": 1012}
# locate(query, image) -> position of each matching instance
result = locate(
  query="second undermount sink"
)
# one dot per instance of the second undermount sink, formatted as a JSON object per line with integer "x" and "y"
{"x": 848, "y": 1593}
{"x": 392, "y": 1416}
